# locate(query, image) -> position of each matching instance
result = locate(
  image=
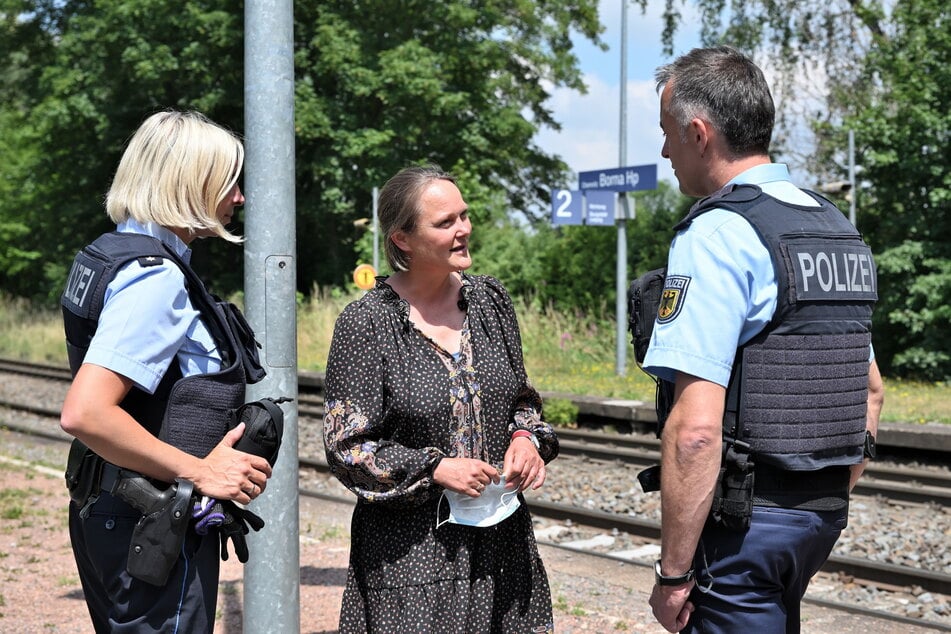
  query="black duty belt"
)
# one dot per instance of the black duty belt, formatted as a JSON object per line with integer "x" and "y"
{"x": 110, "y": 473}
{"x": 823, "y": 490}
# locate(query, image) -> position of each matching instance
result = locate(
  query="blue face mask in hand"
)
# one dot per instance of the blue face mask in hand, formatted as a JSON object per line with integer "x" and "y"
{"x": 494, "y": 505}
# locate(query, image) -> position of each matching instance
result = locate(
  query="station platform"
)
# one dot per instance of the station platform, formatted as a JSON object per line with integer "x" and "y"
{"x": 42, "y": 592}
{"x": 589, "y": 593}
{"x": 640, "y": 416}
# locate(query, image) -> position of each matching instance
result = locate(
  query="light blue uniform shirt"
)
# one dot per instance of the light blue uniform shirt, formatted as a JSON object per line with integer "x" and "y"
{"x": 148, "y": 319}
{"x": 731, "y": 290}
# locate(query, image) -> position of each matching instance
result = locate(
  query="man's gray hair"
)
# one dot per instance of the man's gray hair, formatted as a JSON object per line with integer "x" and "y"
{"x": 725, "y": 88}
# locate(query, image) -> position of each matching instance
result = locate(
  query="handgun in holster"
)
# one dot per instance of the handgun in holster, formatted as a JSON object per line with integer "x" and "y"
{"x": 158, "y": 536}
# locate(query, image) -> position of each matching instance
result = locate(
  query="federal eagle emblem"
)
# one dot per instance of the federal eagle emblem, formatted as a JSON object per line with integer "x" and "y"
{"x": 672, "y": 298}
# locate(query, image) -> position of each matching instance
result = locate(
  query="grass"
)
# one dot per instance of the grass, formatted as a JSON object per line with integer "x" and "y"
{"x": 568, "y": 352}
{"x": 12, "y": 502}
{"x": 31, "y": 334}
{"x": 333, "y": 532}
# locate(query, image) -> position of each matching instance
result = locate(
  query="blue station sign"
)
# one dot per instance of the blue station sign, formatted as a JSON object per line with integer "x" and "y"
{"x": 599, "y": 205}
{"x": 567, "y": 207}
{"x": 576, "y": 207}
{"x": 620, "y": 179}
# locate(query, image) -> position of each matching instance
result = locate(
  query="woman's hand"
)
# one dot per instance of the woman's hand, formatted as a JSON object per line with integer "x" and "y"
{"x": 91, "y": 412}
{"x": 523, "y": 466}
{"x": 227, "y": 473}
{"x": 465, "y": 475}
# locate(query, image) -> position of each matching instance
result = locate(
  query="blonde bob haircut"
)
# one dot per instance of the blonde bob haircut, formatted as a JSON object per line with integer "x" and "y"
{"x": 175, "y": 171}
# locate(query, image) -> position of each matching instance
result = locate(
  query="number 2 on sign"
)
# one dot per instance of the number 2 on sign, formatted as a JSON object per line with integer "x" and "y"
{"x": 564, "y": 196}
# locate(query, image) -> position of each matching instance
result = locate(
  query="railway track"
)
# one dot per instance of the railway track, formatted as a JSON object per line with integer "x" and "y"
{"x": 890, "y": 482}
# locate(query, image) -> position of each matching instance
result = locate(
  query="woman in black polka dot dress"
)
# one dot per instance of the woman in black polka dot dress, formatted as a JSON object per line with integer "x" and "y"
{"x": 427, "y": 393}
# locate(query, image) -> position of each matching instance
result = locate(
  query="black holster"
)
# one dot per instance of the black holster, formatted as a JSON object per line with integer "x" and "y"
{"x": 649, "y": 478}
{"x": 732, "y": 506}
{"x": 158, "y": 536}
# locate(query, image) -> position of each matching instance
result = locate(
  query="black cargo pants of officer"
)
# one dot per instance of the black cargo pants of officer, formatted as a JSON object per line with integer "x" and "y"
{"x": 120, "y": 603}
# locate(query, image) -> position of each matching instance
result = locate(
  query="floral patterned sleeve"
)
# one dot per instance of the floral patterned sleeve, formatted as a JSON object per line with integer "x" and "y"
{"x": 360, "y": 456}
{"x": 527, "y": 409}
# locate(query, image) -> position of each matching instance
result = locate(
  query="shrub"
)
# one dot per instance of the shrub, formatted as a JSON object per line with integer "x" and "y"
{"x": 561, "y": 412}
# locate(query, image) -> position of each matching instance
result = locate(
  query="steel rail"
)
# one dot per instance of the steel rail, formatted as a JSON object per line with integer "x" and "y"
{"x": 310, "y": 404}
{"x": 859, "y": 568}
{"x": 876, "y": 572}
{"x": 907, "y": 485}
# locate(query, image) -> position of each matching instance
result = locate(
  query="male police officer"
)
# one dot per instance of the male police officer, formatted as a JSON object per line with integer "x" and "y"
{"x": 764, "y": 330}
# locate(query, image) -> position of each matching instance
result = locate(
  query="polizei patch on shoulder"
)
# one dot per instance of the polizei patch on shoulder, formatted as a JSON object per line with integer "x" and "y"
{"x": 672, "y": 298}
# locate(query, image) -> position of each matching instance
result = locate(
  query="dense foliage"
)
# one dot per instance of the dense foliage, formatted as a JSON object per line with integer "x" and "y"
{"x": 82, "y": 76}
{"x": 904, "y": 130}
{"x": 885, "y": 71}
{"x": 465, "y": 83}
{"x": 378, "y": 85}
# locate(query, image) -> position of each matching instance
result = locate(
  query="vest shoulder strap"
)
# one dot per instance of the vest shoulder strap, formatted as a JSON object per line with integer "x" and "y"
{"x": 96, "y": 265}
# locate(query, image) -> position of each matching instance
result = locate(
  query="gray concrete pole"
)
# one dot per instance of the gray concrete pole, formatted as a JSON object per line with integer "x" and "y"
{"x": 853, "y": 192}
{"x": 621, "y": 288}
{"x": 376, "y": 231}
{"x": 621, "y": 273}
{"x": 272, "y": 575}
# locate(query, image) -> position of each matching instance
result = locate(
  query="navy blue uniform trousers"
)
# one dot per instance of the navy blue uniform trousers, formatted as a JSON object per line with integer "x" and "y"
{"x": 119, "y": 603}
{"x": 757, "y": 578}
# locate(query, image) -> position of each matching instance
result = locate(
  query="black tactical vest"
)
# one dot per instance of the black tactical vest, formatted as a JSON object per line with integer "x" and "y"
{"x": 798, "y": 392}
{"x": 192, "y": 413}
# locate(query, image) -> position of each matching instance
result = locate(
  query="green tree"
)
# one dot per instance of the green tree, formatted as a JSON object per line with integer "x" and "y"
{"x": 26, "y": 47}
{"x": 461, "y": 84}
{"x": 16, "y": 260}
{"x": 378, "y": 85}
{"x": 885, "y": 69}
{"x": 105, "y": 66}
{"x": 818, "y": 40}
{"x": 903, "y": 129}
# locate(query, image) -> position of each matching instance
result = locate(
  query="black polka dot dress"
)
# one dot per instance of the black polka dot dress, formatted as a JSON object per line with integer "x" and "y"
{"x": 396, "y": 403}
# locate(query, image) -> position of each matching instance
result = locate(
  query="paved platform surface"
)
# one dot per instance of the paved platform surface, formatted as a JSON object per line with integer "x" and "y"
{"x": 40, "y": 590}
{"x": 595, "y": 594}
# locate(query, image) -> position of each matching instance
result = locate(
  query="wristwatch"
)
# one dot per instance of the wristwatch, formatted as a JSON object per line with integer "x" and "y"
{"x": 520, "y": 433}
{"x": 676, "y": 580}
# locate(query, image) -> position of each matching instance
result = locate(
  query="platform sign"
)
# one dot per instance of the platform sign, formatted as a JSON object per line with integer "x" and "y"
{"x": 364, "y": 276}
{"x": 600, "y": 206}
{"x": 621, "y": 179}
{"x": 566, "y": 207}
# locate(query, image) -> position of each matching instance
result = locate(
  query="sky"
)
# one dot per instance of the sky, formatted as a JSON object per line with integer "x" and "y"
{"x": 590, "y": 134}
{"x": 589, "y": 138}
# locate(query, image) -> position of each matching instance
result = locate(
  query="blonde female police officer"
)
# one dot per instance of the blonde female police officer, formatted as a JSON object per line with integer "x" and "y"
{"x": 131, "y": 341}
